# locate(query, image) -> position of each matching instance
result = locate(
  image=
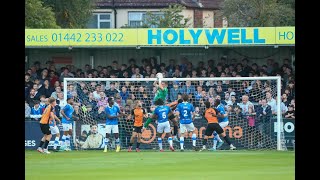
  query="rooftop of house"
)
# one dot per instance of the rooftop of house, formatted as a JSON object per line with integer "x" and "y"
{"x": 203, "y": 4}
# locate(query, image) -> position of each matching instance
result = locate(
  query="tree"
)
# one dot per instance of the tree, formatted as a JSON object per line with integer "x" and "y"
{"x": 259, "y": 13}
{"x": 168, "y": 18}
{"x": 39, "y": 16}
{"x": 72, "y": 14}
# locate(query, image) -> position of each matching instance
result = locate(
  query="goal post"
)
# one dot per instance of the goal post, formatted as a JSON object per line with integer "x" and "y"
{"x": 269, "y": 135}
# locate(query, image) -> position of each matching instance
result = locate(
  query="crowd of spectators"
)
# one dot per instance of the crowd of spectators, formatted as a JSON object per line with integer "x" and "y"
{"x": 241, "y": 98}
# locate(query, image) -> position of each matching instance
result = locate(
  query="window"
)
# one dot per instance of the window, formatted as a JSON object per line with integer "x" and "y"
{"x": 136, "y": 19}
{"x": 100, "y": 21}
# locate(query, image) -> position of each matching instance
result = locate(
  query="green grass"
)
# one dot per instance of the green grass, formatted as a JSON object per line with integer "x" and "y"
{"x": 96, "y": 165}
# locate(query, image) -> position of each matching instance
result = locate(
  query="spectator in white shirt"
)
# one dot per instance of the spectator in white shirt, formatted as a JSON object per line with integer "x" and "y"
{"x": 272, "y": 102}
{"x": 27, "y": 110}
{"x": 96, "y": 93}
{"x": 137, "y": 73}
{"x": 58, "y": 90}
{"x": 244, "y": 105}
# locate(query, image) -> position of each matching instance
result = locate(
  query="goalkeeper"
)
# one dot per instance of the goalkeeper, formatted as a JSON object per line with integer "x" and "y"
{"x": 162, "y": 92}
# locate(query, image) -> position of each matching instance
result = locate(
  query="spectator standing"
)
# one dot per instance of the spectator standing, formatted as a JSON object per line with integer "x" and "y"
{"x": 46, "y": 89}
{"x": 57, "y": 90}
{"x": 31, "y": 97}
{"x": 27, "y": 84}
{"x": 27, "y": 110}
{"x": 36, "y": 111}
{"x": 264, "y": 115}
{"x": 272, "y": 102}
{"x": 44, "y": 76}
{"x": 65, "y": 74}
{"x": 290, "y": 113}
{"x": 124, "y": 93}
{"x": 244, "y": 105}
{"x": 189, "y": 89}
{"x": 112, "y": 91}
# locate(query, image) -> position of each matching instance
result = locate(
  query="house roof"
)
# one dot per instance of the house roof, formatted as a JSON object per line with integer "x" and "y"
{"x": 204, "y": 4}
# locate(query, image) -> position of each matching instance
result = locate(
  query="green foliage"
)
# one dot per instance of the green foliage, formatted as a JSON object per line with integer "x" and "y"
{"x": 72, "y": 14}
{"x": 38, "y": 16}
{"x": 259, "y": 13}
{"x": 170, "y": 17}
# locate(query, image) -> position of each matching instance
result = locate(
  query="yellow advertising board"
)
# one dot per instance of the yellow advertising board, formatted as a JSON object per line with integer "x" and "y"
{"x": 160, "y": 37}
{"x": 285, "y": 35}
{"x": 80, "y": 37}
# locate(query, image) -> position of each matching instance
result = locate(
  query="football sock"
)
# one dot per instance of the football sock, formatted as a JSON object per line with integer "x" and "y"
{"x": 56, "y": 142}
{"x": 68, "y": 140}
{"x": 204, "y": 142}
{"x": 106, "y": 141}
{"x": 138, "y": 145}
{"x": 170, "y": 141}
{"x": 194, "y": 139}
{"x": 181, "y": 142}
{"x": 160, "y": 143}
{"x": 46, "y": 144}
{"x": 41, "y": 144}
{"x": 63, "y": 140}
{"x": 226, "y": 138}
{"x": 175, "y": 130}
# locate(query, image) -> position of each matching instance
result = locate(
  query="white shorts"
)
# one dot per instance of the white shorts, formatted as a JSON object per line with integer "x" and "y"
{"x": 66, "y": 127}
{"x": 113, "y": 128}
{"x": 224, "y": 124}
{"x": 186, "y": 128}
{"x": 163, "y": 127}
{"x": 54, "y": 130}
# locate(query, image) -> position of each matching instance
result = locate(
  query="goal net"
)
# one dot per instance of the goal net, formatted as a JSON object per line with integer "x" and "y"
{"x": 252, "y": 104}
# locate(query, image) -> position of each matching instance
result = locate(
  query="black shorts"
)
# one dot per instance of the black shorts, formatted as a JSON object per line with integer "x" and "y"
{"x": 45, "y": 129}
{"x": 137, "y": 129}
{"x": 171, "y": 117}
{"x": 213, "y": 127}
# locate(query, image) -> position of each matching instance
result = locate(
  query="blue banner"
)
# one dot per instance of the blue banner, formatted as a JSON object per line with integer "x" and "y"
{"x": 33, "y": 134}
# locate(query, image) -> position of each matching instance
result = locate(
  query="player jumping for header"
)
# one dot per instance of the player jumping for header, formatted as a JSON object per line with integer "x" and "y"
{"x": 223, "y": 122}
{"x": 162, "y": 93}
{"x": 210, "y": 115}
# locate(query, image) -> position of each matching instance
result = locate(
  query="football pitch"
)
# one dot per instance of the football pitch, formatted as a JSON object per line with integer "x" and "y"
{"x": 96, "y": 165}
